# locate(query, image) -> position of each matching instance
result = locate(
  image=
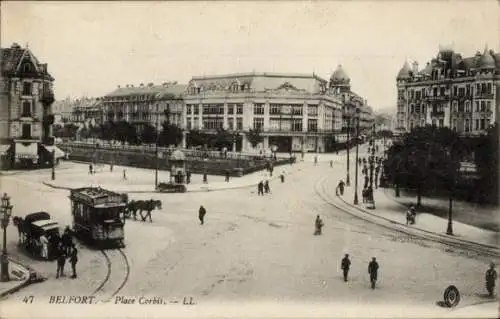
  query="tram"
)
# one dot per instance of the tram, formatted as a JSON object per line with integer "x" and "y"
{"x": 97, "y": 216}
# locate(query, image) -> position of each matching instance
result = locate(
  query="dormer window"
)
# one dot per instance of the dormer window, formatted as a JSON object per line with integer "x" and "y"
{"x": 27, "y": 67}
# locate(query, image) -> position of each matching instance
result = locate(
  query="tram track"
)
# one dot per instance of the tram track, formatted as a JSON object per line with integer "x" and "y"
{"x": 117, "y": 275}
{"x": 483, "y": 250}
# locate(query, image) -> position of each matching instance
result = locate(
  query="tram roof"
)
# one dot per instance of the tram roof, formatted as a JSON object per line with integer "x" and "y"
{"x": 46, "y": 224}
{"x": 94, "y": 192}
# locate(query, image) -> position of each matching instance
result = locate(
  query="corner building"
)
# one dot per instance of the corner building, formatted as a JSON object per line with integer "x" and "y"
{"x": 26, "y": 98}
{"x": 461, "y": 93}
{"x": 295, "y": 112}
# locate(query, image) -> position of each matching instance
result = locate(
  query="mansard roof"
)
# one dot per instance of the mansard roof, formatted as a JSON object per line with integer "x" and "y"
{"x": 159, "y": 91}
{"x": 260, "y": 82}
{"x": 13, "y": 56}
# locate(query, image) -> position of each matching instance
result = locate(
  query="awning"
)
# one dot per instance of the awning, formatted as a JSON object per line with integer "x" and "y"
{"x": 27, "y": 150}
{"x": 58, "y": 152}
{"x": 4, "y": 148}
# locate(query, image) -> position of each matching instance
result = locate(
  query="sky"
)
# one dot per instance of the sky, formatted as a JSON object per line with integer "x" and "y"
{"x": 92, "y": 47}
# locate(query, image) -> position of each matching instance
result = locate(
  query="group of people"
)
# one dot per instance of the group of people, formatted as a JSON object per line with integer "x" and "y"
{"x": 263, "y": 187}
{"x": 373, "y": 267}
{"x": 66, "y": 250}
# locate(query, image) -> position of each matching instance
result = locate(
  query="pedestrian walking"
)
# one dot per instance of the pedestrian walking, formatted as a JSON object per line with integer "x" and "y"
{"x": 491, "y": 277}
{"x": 331, "y": 163}
{"x": 373, "y": 271}
{"x": 318, "y": 225}
{"x": 201, "y": 214}
{"x": 340, "y": 188}
{"x": 188, "y": 177}
{"x": 90, "y": 169}
{"x": 260, "y": 188}
{"x": 61, "y": 260}
{"x": 73, "y": 259}
{"x": 124, "y": 174}
{"x": 345, "y": 265}
{"x": 227, "y": 176}
{"x": 205, "y": 178}
{"x": 267, "y": 189}
{"x": 282, "y": 177}
{"x": 111, "y": 167}
{"x": 316, "y": 160}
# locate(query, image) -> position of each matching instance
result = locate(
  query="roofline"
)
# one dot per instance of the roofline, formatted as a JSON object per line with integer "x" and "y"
{"x": 263, "y": 74}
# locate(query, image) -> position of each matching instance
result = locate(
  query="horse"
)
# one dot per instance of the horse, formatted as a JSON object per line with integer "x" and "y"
{"x": 148, "y": 206}
{"x": 131, "y": 209}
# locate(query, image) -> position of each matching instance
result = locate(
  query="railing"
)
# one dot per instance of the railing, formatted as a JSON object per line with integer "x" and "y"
{"x": 165, "y": 151}
{"x": 437, "y": 113}
{"x": 484, "y": 96}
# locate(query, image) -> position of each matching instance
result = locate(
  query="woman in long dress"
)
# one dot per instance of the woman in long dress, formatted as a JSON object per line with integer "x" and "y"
{"x": 45, "y": 246}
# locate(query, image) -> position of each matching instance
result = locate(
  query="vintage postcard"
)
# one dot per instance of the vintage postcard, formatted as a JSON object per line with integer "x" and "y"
{"x": 280, "y": 159}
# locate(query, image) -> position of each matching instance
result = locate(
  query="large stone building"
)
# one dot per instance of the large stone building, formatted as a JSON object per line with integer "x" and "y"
{"x": 461, "y": 93}
{"x": 143, "y": 104}
{"x": 295, "y": 112}
{"x": 353, "y": 106}
{"x": 26, "y": 97}
{"x": 86, "y": 111}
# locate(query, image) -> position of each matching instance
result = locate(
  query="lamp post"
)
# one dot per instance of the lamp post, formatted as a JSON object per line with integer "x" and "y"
{"x": 453, "y": 176}
{"x": 53, "y": 164}
{"x": 6, "y": 210}
{"x": 347, "y": 181}
{"x": 372, "y": 163}
{"x": 156, "y": 144}
{"x": 356, "y": 202}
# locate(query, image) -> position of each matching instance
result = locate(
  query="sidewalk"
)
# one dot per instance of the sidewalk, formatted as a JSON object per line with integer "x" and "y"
{"x": 19, "y": 277}
{"x": 481, "y": 310}
{"x": 142, "y": 180}
{"x": 395, "y": 212}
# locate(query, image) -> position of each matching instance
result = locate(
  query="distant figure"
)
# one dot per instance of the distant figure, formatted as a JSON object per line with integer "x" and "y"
{"x": 373, "y": 271}
{"x": 205, "y": 179}
{"x": 260, "y": 188}
{"x": 331, "y": 163}
{"x": 124, "y": 174}
{"x": 67, "y": 240}
{"x": 318, "y": 225}
{"x": 316, "y": 160}
{"x": 267, "y": 189}
{"x": 282, "y": 177}
{"x": 491, "y": 277}
{"x": 340, "y": 188}
{"x": 61, "y": 260}
{"x": 91, "y": 169}
{"x": 345, "y": 265}
{"x": 45, "y": 246}
{"x": 227, "y": 176}
{"x": 188, "y": 177}
{"x": 73, "y": 260}
{"x": 111, "y": 167}
{"x": 201, "y": 214}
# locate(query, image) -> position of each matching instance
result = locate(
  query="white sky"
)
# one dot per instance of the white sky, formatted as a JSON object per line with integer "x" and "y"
{"x": 92, "y": 47}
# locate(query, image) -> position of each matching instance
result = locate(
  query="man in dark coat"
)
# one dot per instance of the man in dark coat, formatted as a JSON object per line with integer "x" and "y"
{"x": 491, "y": 277}
{"x": 345, "y": 265}
{"x": 201, "y": 214}
{"x": 227, "y": 176}
{"x": 67, "y": 240}
{"x": 260, "y": 188}
{"x": 373, "y": 271}
{"x": 340, "y": 187}
{"x": 318, "y": 225}
{"x": 61, "y": 260}
{"x": 267, "y": 189}
{"x": 73, "y": 258}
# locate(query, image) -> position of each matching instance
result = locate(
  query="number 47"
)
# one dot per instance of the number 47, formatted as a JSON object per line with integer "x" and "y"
{"x": 28, "y": 299}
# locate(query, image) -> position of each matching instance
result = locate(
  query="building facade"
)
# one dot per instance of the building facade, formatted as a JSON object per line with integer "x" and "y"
{"x": 26, "y": 95}
{"x": 461, "y": 93}
{"x": 294, "y": 112}
{"x": 86, "y": 111}
{"x": 145, "y": 104}
{"x": 353, "y": 106}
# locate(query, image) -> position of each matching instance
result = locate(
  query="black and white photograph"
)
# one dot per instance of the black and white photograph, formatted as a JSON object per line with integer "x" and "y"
{"x": 249, "y": 159}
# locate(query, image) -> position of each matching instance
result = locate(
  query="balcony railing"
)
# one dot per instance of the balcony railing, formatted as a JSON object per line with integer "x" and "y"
{"x": 26, "y": 114}
{"x": 437, "y": 98}
{"x": 437, "y": 113}
{"x": 484, "y": 96}
{"x": 47, "y": 97}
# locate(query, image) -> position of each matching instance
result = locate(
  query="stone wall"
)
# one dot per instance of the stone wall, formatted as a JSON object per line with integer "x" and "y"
{"x": 144, "y": 159}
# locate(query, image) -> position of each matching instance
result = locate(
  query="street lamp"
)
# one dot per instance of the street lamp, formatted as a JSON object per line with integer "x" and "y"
{"x": 6, "y": 210}
{"x": 156, "y": 144}
{"x": 347, "y": 181}
{"x": 356, "y": 202}
{"x": 53, "y": 164}
{"x": 372, "y": 164}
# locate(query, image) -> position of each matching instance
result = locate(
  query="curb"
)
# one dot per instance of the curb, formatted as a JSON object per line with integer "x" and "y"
{"x": 155, "y": 192}
{"x": 418, "y": 228}
{"x": 418, "y": 232}
{"x": 24, "y": 283}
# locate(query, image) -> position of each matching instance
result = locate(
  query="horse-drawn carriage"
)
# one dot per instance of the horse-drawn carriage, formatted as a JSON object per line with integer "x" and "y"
{"x": 97, "y": 215}
{"x": 38, "y": 234}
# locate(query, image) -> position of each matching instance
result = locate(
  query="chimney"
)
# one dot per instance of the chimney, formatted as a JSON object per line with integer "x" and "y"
{"x": 415, "y": 67}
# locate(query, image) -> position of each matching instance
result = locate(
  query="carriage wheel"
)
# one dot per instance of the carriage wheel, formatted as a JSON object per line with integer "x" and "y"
{"x": 451, "y": 296}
